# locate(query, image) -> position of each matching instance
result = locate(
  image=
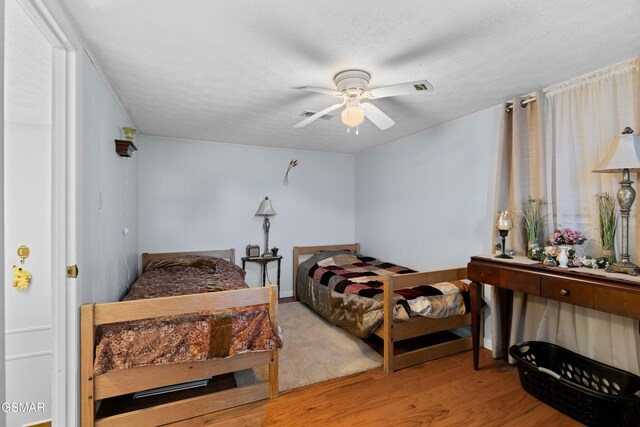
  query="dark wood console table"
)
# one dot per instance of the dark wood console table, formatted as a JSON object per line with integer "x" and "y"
{"x": 609, "y": 292}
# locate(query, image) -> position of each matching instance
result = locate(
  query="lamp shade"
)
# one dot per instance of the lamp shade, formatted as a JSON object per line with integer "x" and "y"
{"x": 624, "y": 154}
{"x": 352, "y": 115}
{"x": 265, "y": 208}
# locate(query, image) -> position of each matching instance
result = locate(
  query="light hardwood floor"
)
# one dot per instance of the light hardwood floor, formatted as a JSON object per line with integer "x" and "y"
{"x": 444, "y": 392}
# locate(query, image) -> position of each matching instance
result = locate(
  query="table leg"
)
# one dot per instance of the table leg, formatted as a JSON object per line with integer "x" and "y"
{"x": 476, "y": 299}
{"x": 264, "y": 274}
{"x": 278, "y": 282}
{"x": 505, "y": 321}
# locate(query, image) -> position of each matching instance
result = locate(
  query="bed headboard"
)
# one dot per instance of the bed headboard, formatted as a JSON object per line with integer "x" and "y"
{"x": 228, "y": 254}
{"x": 310, "y": 250}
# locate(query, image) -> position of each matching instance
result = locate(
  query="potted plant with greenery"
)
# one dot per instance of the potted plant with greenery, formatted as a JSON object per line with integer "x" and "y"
{"x": 607, "y": 224}
{"x": 533, "y": 218}
{"x": 129, "y": 133}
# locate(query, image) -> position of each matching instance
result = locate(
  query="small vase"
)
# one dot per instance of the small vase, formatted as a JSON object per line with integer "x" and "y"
{"x": 534, "y": 251}
{"x": 609, "y": 255}
{"x": 563, "y": 257}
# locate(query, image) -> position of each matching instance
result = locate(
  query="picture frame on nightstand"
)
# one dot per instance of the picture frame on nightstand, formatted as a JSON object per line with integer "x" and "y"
{"x": 253, "y": 251}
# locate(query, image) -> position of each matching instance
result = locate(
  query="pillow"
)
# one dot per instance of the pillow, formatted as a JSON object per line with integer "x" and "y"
{"x": 339, "y": 259}
{"x": 182, "y": 261}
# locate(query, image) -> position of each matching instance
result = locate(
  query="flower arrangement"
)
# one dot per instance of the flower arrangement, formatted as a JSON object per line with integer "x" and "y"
{"x": 566, "y": 237}
{"x": 533, "y": 218}
{"x": 607, "y": 224}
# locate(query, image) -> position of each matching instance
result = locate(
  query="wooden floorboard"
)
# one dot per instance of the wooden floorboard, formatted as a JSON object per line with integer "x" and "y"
{"x": 444, "y": 392}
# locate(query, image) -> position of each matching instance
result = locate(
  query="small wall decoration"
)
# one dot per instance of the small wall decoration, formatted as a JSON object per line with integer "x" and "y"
{"x": 125, "y": 148}
{"x": 129, "y": 133}
{"x": 292, "y": 164}
{"x": 21, "y": 277}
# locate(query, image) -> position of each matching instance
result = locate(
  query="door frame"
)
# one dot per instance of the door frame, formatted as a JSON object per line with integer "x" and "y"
{"x": 54, "y": 23}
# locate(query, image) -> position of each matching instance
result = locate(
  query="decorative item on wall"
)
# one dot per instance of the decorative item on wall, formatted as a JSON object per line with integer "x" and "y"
{"x": 21, "y": 278}
{"x": 129, "y": 134}
{"x": 292, "y": 164}
{"x": 125, "y": 148}
{"x": 504, "y": 223}
{"x": 624, "y": 157}
{"x": 607, "y": 224}
{"x": 533, "y": 219}
{"x": 266, "y": 210}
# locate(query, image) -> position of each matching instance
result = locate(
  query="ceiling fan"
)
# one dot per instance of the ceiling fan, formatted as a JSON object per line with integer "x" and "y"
{"x": 352, "y": 88}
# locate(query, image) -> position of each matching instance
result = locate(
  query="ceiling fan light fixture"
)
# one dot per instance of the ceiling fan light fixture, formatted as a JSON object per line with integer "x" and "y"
{"x": 352, "y": 115}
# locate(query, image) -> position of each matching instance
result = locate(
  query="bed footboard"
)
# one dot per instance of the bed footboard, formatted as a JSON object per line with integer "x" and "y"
{"x": 394, "y": 331}
{"x": 125, "y": 381}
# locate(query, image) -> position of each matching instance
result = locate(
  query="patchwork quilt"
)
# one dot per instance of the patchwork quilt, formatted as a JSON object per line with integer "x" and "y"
{"x": 343, "y": 288}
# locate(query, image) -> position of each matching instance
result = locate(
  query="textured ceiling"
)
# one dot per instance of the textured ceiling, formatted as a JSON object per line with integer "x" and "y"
{"x": 224, "y": 70}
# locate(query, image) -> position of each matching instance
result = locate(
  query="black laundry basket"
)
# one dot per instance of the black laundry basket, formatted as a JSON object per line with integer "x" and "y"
{"x": 588, "y": 391}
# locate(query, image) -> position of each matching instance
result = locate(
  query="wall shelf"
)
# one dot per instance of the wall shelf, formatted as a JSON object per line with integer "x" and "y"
{"x": 125, "y": 148}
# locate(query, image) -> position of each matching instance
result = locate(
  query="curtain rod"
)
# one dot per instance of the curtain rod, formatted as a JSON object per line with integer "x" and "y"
{"x": 523, "y": 103}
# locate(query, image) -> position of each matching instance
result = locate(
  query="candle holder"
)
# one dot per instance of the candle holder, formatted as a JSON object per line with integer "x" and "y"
{"x": 504, "y": 223}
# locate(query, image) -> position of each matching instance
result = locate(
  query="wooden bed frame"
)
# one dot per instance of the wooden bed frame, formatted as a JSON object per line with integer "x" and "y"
{"x": 125, "y": 381}
{"x": 393, "y": 331}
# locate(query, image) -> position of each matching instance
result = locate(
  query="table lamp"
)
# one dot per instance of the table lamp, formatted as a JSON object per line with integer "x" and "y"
{"x": 504, "y": 224}
{"x": 266, "y": 210}
{"x": 624, "y": 157}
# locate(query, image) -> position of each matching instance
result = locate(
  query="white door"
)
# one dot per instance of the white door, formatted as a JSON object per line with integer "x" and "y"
{"x": 28, "y": 182}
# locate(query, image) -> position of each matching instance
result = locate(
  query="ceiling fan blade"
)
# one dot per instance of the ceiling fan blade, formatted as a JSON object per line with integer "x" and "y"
{"x": 376, "y": 116}
{"x": 420, "y": 86}
{"x": 322, "y": 90}
{"x": 318, "y": 115}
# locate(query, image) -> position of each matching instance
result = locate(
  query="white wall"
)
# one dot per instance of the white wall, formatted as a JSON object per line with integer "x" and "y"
{"x": 198, "y": 195}
{"x": 425, "y": 201}
{"x": 107, "y": 259}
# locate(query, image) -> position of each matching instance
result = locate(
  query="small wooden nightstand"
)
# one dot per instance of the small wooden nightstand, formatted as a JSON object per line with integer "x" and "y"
{"x": 263, "y": 261}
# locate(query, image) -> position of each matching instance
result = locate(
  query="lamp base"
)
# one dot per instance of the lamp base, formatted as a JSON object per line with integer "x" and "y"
{"x": 623, "y": 267}
{"x": 504, "y": 256}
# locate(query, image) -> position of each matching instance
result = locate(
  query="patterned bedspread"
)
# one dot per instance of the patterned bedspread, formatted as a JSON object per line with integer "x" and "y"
{"x": 342, "y": 287}
{"x": 185, "y": 338}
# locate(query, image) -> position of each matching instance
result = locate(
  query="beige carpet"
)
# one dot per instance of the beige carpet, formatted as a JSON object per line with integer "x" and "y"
{"x": 314, "y": 351}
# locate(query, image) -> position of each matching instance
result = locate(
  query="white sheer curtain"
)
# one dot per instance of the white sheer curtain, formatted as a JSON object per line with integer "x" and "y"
{"x": 573, "y": 126}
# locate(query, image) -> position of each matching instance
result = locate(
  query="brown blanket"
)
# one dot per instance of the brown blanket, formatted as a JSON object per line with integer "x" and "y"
{"x": 185, "y": 338}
